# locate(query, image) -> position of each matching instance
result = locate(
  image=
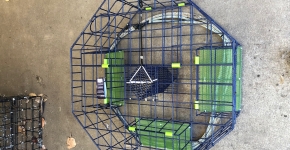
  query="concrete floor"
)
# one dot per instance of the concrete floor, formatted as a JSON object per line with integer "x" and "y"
{"x": 36, "y": 36}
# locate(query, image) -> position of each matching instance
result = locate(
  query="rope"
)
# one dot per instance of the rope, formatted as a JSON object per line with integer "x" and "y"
{"x": 185, "y": 17}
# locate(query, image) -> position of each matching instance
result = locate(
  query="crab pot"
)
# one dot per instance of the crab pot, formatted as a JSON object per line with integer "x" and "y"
{"x": 172, "y": 76}
{"x": 21, "y": 123}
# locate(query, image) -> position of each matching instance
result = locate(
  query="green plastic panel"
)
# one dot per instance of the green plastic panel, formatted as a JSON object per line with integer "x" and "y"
{"x": 115, "y": 78}
{"x": 215, "y": 80}
{"x": 156, "y": 133}
{"x": 239, "y": 79}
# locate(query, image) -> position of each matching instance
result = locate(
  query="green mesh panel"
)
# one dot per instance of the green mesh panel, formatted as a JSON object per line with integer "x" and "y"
{"x": 115, "y": 78}
{"x": 153, "y": 134}
{"x": 215, "y": 80}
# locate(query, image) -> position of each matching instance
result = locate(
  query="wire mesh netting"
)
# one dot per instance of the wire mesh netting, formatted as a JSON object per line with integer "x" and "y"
{"x": 170, "y": 76}
{"x": 21, "y": 123}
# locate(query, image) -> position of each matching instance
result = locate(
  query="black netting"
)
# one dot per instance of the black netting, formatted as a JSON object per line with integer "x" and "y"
{"x": 142, "y": 90}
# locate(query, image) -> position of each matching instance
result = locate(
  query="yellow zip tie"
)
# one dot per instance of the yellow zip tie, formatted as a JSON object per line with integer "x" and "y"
{"x": 105, "y": 64}
{"x": 168, "y": 134}
{"x": 196, "y": 60}
{"x": 148, "y": 8}
{"x": 105, "y": 101}
{"x": 132, "y": 128}
{"x": 175, "y": 65}
{"x": 181, "y": 4}
{"x": 196, "y": 105}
